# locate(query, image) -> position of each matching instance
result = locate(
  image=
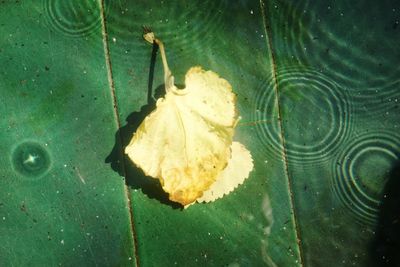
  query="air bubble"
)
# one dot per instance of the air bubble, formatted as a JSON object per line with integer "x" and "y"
{"x": 31, "y": 160}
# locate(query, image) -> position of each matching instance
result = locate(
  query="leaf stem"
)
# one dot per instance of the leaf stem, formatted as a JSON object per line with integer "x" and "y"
{"x": 168, "y": 78}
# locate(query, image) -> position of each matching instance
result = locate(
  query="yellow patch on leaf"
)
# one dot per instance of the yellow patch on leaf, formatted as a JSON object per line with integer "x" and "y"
{"x": 238, "y": 169}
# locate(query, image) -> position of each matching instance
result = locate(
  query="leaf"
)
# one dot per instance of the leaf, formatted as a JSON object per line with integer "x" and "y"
{"x": 186, "y": 141}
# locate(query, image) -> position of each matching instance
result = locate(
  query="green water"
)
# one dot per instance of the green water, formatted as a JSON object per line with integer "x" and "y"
{"x": 318, "y": 90}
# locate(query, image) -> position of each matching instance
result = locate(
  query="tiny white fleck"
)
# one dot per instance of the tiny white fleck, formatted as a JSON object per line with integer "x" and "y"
{"x": 62, "y": 241}
{"x": 114, "y": 39}
{"x": 251, "y": 12}
{"x": 31, "y": 159}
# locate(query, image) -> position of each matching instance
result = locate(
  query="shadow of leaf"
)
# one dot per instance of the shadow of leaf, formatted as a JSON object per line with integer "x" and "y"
{"x": 120, "y": 162}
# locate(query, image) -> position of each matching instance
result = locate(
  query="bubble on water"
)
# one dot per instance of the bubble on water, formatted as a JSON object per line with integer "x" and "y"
{"x": 31, "y": 160}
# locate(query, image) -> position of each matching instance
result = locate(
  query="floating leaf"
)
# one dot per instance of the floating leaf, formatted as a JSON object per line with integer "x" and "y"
{"x": 186, "y": 141}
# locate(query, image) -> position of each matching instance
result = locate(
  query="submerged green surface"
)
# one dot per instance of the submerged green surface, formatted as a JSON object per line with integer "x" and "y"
{"x": 318, "y": 90}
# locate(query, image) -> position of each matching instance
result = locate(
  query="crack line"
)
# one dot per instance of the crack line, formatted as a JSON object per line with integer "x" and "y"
{"x": 282, "y": 133}
{"x": 116, "y": 115}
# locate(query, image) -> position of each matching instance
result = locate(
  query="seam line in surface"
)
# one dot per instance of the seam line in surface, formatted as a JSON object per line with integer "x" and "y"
{"x": 116, "y": 115}
{"x": 282, "y": 133}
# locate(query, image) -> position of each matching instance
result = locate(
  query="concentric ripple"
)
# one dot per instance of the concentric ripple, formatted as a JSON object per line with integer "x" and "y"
{"x": 361, "y": 172}
{"x": 328, "y": 38}
{"x": 73, "y": 18}
{"x": 315, "y": 113}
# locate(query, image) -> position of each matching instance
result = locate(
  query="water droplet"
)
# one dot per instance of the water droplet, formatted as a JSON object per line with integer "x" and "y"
{"x": 31, "y": 160}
